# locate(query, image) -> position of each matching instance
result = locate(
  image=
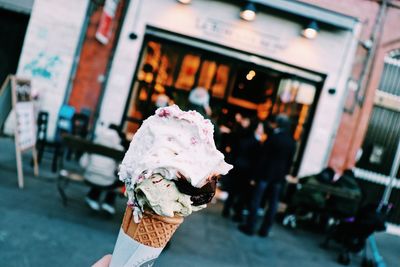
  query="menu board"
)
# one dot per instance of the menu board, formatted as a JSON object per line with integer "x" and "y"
{"x": 16, "y": 93}
{"x": 25, "y": 116}
{"x": 25, "y": 125}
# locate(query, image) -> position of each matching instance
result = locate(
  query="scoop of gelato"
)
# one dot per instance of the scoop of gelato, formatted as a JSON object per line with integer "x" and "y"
{"x": 173, "y": 141}
{"x": 163, "y": 197}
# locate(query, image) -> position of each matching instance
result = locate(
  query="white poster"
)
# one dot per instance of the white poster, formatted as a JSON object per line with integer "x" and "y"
{"x": 104, "y": 30}
{"x": 306, "y": 94}
{"x": 26, "y": 126}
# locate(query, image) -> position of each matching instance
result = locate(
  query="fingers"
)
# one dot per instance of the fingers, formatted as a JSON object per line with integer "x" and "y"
{"x": 103, "y": 262}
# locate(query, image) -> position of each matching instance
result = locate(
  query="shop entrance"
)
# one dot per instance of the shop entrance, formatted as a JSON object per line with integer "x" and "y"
{"x": 12, "y": 32}
{"x": 168, "y": 70}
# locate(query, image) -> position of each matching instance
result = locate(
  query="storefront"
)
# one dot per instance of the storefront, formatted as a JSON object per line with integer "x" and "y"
{"x": 264, "y": 66}
{"x": 170, "y": 66}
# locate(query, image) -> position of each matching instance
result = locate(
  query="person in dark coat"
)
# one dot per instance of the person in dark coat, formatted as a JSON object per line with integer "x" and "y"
{"x": 245, "y": 151}
{"x": 270, "y": 171}
{"x": 230, "y": 136}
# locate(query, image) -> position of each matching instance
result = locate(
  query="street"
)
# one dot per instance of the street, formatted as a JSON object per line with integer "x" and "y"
{"x": 37, "y": 230}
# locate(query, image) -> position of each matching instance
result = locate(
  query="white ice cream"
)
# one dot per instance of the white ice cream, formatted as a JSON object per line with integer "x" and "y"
{"x": 169, "y": 142}
{"x": 162, "y": 196}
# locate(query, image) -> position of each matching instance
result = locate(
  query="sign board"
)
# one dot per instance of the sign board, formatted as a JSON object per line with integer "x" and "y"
{"x": 229, "y": 31}
{"x": 16, "y": 93}
{"x": 306, "y": 94}
{"x": 105, "y": 26}
{"x": 26, "y": 127}
{"x": 25, "y": 113}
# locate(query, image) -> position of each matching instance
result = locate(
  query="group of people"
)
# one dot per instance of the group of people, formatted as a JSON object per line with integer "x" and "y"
{"x": 262, "y": 154}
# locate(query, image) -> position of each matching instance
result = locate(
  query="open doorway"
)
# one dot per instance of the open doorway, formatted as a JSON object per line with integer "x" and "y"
{"x": 13, "y": 27}
{"x": 170, "y": 71}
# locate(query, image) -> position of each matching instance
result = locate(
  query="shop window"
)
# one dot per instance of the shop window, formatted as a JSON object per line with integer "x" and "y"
{"x": 207, "y": 73}
{"x": 171, "y": 71}
{"x": 187, "y": 74}
{"x": 167, "y": 64}
{"x": 221, "y": 81}
{"x": 253, "y": 87}
{"x": 150, "y": 62}
{"x": 295, "y": 98}
{"x": 383, "y": 133}
{"x": 168, "y": 71}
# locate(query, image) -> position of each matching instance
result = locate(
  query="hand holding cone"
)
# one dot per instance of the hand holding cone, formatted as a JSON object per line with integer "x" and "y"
{"x": 167, "y": 172}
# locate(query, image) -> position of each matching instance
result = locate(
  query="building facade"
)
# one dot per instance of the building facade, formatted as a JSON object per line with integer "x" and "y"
{"x": 215, "y": 27}
{"x": 369, "y": 134}
{"x": 328, "y": 85}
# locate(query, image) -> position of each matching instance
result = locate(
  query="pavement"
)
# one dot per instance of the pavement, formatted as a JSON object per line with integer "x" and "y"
{"x": 37, "y": 230}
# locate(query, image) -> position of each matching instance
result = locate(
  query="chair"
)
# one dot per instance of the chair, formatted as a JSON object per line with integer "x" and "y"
{"x": 88, "y": 113}
{"x": 64, "y": 122}
{"x": 41, "y": 134}
{"x": 64, "y": 125}
{"x": 79, "y": 128}
{"x": 76, "y": 174}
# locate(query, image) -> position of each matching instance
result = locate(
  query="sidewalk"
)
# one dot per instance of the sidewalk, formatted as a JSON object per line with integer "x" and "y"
{"x": 36, "y": 230}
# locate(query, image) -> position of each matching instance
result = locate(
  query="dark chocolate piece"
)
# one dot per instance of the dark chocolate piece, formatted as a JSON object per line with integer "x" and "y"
{"x": 199, "y": 196}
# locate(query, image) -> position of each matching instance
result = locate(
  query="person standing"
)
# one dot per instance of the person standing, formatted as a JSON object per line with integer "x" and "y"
{"x": 199, "y": 100}
{"x": 245, "y": 151}
{"x": 270, "y": 171}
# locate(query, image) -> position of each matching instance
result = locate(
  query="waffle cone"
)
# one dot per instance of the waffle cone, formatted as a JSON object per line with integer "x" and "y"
{"x": 153, "y": 230}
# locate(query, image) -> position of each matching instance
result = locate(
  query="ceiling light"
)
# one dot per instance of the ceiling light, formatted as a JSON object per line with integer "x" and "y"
{"x": 248, "y": 12}
{"x": 185, "y": 2}
{"x": 249, "y": 77}
{"x": 311, "y": 31}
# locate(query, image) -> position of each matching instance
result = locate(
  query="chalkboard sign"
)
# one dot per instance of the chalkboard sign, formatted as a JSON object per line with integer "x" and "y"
{"x": 16, "y": 93}
{"x": 25, "y": 113}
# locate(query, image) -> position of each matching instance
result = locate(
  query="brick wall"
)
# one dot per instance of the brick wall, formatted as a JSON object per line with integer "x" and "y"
{"x": 390, "y": 40}
{"x": 93, "y": 63}
{"x": 353, "y": 125}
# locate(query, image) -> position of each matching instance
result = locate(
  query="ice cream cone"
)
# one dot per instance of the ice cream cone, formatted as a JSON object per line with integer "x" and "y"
{"x": 140, "y": 244}
{"x": 152, "y": 230}
{"x": 166, "y": 170}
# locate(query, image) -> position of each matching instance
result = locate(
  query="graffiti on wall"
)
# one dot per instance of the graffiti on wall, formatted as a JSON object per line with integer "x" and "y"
{"x": 44, "y": 66}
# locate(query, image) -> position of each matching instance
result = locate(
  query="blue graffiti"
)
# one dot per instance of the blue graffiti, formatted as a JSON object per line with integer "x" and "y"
{"x": 43, "y": 66}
